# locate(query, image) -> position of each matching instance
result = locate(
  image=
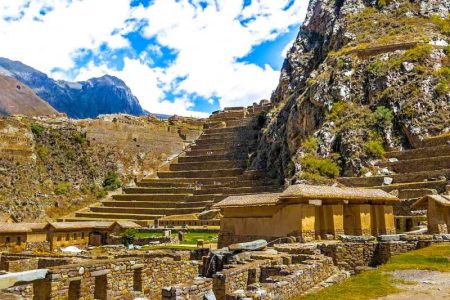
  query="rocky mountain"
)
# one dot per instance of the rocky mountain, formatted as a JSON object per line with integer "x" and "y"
{"x": 362, "y": 77}
{"x": 17, "y": 98}
{"x": 84, "y": 99}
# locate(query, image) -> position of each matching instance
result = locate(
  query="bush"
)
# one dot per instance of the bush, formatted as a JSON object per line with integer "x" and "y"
{"x": 79, "y": 138}
{"x": 62, "y": 188}
{"x": 311, "y": 145}
{"x": 374, "y": 149}
{"x": 99, "y": 192}
{"x": 112, "y": 181}
{"x": 42, "y": 152}
{"x": 128, "y": 237}
{"x": 37, "y": 129}
{"x": 419, "y": 53}
{"x": 383, "y": 116}
{"x": 320, "y": 166}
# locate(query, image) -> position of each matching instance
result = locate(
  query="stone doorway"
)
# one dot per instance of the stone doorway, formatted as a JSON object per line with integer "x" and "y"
{"x": 137, "y": 280}
{"x": 74, "y": 290}
{"x": 101, "y": 287}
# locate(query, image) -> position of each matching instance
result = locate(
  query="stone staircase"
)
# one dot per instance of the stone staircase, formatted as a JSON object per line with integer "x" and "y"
{"x": 415, "y": 173}
{"x": 209, "y": 171}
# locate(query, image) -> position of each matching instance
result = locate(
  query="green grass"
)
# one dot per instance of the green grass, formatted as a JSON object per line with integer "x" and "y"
{"x": 379, "y": 282}
{"x": 367, "y": 285}
{"x": 435, "y": 258}
{"x": 190, "y": 238}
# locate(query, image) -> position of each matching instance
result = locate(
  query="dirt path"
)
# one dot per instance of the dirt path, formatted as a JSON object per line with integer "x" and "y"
{"x": 428, "y": 285}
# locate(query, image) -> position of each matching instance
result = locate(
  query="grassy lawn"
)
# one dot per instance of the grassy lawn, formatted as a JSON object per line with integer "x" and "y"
{"x": 189, "y": 243}
{"x": 379, "y": 282}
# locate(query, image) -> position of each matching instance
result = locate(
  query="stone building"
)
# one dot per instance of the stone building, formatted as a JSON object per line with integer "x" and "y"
{"x": 438, "y": 212}
{"x": 20, "y": 235}
{"x": 307, "y": 213}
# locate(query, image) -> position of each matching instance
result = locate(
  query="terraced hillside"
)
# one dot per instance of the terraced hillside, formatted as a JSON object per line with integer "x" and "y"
{"x": 415, "y": 173}
{"x": 210, "y": 170}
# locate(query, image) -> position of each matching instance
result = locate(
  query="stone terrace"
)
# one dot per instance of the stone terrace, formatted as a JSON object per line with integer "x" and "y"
{"x": 209, "y": 171}
{"x": 417, "y": 172}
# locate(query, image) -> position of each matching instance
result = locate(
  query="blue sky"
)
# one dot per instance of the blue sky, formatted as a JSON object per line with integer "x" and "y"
{"x": 187, "y": 57}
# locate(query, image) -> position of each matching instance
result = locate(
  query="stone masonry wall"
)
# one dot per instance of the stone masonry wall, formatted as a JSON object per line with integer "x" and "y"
{"x": 124, "y": 278}
{"x": 356, "y": 256}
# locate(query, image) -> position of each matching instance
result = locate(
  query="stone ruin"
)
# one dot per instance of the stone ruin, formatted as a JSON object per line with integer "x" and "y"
{"x": 282, "y": 271}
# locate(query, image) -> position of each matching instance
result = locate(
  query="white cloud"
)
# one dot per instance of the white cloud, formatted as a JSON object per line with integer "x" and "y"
{"x": 51, "y": 40}
{"x": 143, "y": 82}
{"x": 207, "y": 42}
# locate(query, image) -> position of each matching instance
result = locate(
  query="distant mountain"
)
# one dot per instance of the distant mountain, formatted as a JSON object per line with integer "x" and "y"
{"x": 17, "y": 98}
{"x": 84, "y": 99}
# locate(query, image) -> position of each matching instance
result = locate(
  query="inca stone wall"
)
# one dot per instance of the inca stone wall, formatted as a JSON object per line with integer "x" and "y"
{"x": 124, "y": 278}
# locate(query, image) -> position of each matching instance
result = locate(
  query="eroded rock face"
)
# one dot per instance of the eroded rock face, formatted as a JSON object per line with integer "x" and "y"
{"x": 359, "y": 73}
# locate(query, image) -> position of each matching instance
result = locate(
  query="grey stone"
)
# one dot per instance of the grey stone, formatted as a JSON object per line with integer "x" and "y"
{"x": 389, "y": 237}
{"x": 356, "y": 238}
{"x": 10, "y": 279}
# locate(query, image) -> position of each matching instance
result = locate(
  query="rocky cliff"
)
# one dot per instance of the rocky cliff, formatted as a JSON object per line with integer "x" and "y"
{"x": 85, "y": 99}
{"x": 361, "y": 78}
{"x": 17, "y": 98}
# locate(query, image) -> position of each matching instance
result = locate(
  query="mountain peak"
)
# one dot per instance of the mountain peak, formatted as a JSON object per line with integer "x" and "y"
{"x": 84, "y": 99}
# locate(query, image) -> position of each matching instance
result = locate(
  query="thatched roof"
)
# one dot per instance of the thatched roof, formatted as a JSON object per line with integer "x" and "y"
{"x": 81, "y": 225}
{"x": 14, "y": 228}
{"x": 303, "y": 191}
{"x": 21, "y": 227}
{"x": 441, "y": 199}
{"x": 300, "y": 192}
{"x": 249, "y": 200}
{"x": 127, "y": 224}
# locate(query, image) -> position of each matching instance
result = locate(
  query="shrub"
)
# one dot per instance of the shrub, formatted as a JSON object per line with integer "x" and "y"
{"x": 42, "y": 152}
{"x": 383, "y": 116}
{"x": 442, "y": 24}
{"x": 128, "y": 237}
{"x": 374, "y": 149}
{"x": 112, "y": 181}
{"x": 320, "y": 166}
{"x": 419, "y": 53}
{"x": 311, "y": 145}
{"x": 99, "y": 192}
{"x": 37, "y": 129}
{"x": 62, "y": 188}
{"x": 79, "y": 138}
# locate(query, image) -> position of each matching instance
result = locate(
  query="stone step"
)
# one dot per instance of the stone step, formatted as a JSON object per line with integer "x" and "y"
{"x": 220, "y": 146}
{"x": 202, "y": 173}
{"x": 162, "y": 184}
{"x": 146, "y": 211}
{"x": 196, "y": 159}
{"x": 443, "y": 139}
{"x": 215, "y": 152}
{"x": 420, "y": 164}
{"x": 157, "y": 190}
{"x": 241, "y": 134}
{"x": 156, "y": 204}
{"x": 438, "y": 185}
{"x": 191, "y": 181}
{"x": 221, "y": 141}
{"x": 442, "y": 150}
{"x": 238, "y": 190}
{"x": 167, "y": 197}
{"x": 254, "y": 174}
{"x": 116, "y": 216}
{"x": 207, "y": 165}
{"x": 225, "y": 129}
{"x": 398, "y": 178}
{"x": 250, "y": 182}
{"x": 415, "y": 193}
